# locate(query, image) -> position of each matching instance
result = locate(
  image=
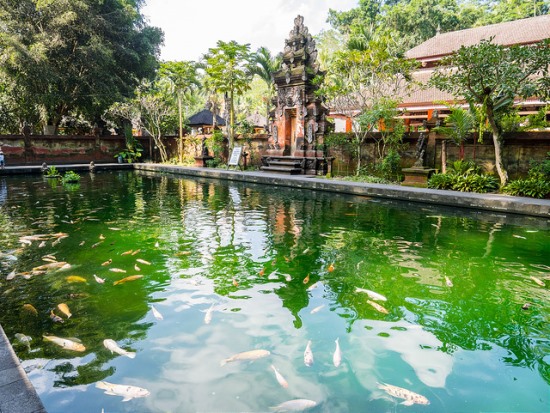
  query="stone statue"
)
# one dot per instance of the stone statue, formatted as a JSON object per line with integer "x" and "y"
{"x": 420, "y": 151}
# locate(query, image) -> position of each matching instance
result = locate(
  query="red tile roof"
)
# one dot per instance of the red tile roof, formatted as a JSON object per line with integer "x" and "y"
{"x": 524, "y": 31}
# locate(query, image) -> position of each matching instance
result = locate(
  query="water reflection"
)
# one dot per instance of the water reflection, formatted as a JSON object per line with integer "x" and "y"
{"x": 262, "y": 260}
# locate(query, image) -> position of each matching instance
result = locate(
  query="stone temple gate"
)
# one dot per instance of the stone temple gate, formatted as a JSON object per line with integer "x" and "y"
{"x": 298, "y": 123}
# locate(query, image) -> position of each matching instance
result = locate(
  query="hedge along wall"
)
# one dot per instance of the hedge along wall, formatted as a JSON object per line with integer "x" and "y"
{"x": 519, "y": 149}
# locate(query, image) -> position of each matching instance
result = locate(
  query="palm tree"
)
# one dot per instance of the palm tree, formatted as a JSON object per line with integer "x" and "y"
{"x": 264, "y": 65}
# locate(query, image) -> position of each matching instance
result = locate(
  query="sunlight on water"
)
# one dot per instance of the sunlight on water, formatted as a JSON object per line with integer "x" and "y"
{"x": 450, "y": 305}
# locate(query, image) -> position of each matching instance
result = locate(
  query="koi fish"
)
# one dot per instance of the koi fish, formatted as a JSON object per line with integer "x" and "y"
{"x": 58, "y": 265}
{"x": 42, "y": 244}
{"x": 55, "y": 318}
{"x": 66, "y": 343}
{"x": 75, "y": 279}
{"x": 117, "y": 270}
{"x": 280, "y": 379}
{"x": 136, "y": 252}
{"x": 538, "y": 281}
{"x": 372, "y": 294}
{"x": 306, "y": 280}
{"x": 143, "y": 261}
{"x": 125, "y": 391}
{"x": 235, "y": 283}
{"x": 156, "y": 313}
{"x": 64, "y": 308}
{"x": 378, "y": 307}
{"x": 296, "y": 405}
{"x": 137, "y": 268}
{"x": 401, "y": 393}
{"x": 109, "y": 261}
{"x": 99, "y": 280}
{"x": 127, "y": 252}
{"x": 26, "y": 340}
{"x": 30, "y": 308}
{"x": 330, "y": 268}
{"x": 101, "y": 237}
{"x": 317, "y": 309}
{"x": 448, "y": 282}
{"x": 11, "y": 276}
{"x": 262, "y": 272}
{"x": 114, "y": 348}
{"x": 208, "y": 315}
{"x": 81, "y": 243}
{"x": 246, "y": 355}
{"x": 308, "y": 355}
{"x": 337, "y": 356}
{"x": 130, "y": 278}
{"x": 97, "y": 243}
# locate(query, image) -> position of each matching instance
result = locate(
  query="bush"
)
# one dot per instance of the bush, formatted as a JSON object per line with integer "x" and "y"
{"x": 390, "y": 167}
{"x": 442, "y": 181}
{"x": 464, "y": 183}
{"x": 475, "y": 183}
{"x": 531, "y": 187}
{"x": 462, "y": 167}
{"x": 70, "y": 177}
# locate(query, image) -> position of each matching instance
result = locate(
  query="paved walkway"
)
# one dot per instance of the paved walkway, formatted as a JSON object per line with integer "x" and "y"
{"x": 17, "y": 395}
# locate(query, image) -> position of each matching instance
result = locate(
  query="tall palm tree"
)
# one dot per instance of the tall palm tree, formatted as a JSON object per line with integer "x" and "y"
{"x": 264, "y": 65}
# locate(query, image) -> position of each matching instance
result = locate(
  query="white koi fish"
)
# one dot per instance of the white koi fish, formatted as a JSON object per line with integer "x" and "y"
{"x": 372, "y": 294}
{"x": 99, "y": 280}
{"x": 66, "y": 343}
{"x": 156, "y": 313}
{"x": 113, "y": 346}
{"x": 308, "y": 355}
{"x": 125, "y": 391}
{"x": 208, "y": 315}
{"x": 317, "y": 309}
{"x": 378, "y": 307}
{"x": 143, "y": 261}
{"x": 538, "y": 281}
{"x": 26, "y": 340}
{"x": 296, "y": 405}
{"x": 401, "y": 393}
{"x": 448, "y": 282}
{"x": 280, "y": 379}
{"x": 246, "y": 355}
{"x": 337, "y": 356}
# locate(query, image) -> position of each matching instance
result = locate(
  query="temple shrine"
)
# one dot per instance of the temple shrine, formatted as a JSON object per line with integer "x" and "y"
{"x": 299, "y": 119}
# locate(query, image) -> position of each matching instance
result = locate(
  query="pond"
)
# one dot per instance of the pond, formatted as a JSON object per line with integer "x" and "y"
{"x": 450, "y": 305}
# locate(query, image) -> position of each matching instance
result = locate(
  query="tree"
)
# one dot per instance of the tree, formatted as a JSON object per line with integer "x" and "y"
{"x": 227, "y": 71}
{"x": 75, "y": 56}
{"x": 182, "y": 78}
{"x": 263, "y": 66}
{"x": 357, "y": 81}
{"x": 491, "y": 76}
{"x": 458, "y": 125}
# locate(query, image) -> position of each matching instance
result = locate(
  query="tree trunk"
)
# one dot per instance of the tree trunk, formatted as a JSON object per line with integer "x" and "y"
{"x": 231, "y": 120}
{"x": 443, "y": 156}
{"x": 497, "y": 142}
{"x": 180, "y": 145}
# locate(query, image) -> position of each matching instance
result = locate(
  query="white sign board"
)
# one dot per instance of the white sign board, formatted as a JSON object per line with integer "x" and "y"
{"x": 235, "y": 156}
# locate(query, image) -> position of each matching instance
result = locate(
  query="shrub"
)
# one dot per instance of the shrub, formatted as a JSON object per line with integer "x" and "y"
{"x": 441, "y": 181}
{"x": 475, "y": 183}
{"x": 462, "y": 167}
{"x": 531, "y": 187}
{"x": 70, "y": 177}
{"x": 390, "y": 168}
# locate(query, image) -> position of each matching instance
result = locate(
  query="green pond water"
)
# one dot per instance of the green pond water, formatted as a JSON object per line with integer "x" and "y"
{"x": 273, "y": 268}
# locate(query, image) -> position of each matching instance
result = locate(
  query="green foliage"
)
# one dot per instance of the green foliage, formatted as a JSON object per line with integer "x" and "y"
{"x": 458, "y": 125}
{"x": 491, "y": 76}
{"x": 51, "y": 172}
{"x": 510, "y": 122}
{"x": 215, "y": 143}
{"x": 531, "y": 187}
{"x": 370, "y": 179}
{"x": 538, "y": 120}
{"x": 441, "y": 181}
{"x": 74, "y": 56}
{"x": 471, "y": 182}
{"x": 70, "y": 177}
{"x": 390, "y": 167}
{"x": 227, "y": 68}
{"x": 462, "y": 167}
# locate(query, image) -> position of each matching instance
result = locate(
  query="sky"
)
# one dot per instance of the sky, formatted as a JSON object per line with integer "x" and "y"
{"x": 192, "y": 27}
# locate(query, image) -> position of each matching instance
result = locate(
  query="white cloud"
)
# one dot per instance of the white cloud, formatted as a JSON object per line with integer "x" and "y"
{"x": 191, "y": 28}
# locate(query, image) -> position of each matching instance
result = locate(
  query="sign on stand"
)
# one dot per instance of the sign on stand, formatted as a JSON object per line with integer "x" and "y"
{"x": 235, "y": 156}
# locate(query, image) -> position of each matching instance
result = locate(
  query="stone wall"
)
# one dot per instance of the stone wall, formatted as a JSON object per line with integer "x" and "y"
{"x": 519, "y": 150}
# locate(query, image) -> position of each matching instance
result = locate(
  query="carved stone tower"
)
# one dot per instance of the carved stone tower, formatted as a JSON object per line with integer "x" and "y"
{"x": 299, "y": 118}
